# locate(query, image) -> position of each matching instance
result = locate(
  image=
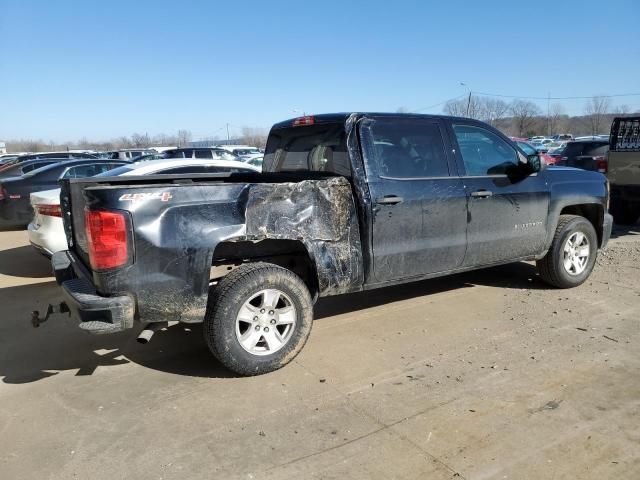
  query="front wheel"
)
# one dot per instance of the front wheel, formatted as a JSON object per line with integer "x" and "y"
{"x": 572, "y": 255}
{"x": 258, "y": 318}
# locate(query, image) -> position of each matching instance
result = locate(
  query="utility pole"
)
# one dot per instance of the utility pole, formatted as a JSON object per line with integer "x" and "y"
{"x": 469, "y": 103}
{"x": 549, "y": 113}
{"x": 228, "y": 134}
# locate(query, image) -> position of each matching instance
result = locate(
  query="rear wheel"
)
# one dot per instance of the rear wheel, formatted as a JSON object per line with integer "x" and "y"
{"x": 572, "y": 255}
{"x": 258, "y": 318}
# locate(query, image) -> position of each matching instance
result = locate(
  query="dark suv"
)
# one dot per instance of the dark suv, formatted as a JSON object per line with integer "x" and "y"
{"x": 585, "y": 154}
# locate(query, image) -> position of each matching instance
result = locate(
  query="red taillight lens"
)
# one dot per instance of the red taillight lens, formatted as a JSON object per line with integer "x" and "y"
{"x": 601, "y": 164}
{"x": 304, "y": 121}
{"x": 49, "y": 210}
{"x": 107, "y": 238}
{"x": 3, "y": 193}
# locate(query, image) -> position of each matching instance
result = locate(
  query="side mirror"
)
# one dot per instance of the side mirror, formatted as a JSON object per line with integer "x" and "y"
{"x": 535, "y": 163}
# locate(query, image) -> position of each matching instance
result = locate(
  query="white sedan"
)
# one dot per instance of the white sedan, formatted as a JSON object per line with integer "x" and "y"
{"x": 46, "y": 232}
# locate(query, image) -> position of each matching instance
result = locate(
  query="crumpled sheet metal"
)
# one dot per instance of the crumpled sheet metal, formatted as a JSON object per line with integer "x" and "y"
{"x": 319, "y": 213}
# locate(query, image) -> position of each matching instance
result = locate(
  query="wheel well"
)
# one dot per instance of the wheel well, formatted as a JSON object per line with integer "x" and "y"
{"x": 592, "y": 212}
{"x": 289, "y": 254}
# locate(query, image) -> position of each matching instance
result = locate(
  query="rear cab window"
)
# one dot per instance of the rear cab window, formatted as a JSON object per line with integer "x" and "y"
{"x": 406, "y": 148}
{"x": 319, "y": 148}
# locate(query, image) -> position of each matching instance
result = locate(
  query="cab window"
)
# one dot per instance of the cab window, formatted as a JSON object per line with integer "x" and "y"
{"x": 408, "y": 148}
{"x": 483, "y": 152}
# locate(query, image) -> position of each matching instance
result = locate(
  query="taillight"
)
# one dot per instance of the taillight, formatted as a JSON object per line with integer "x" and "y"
{"x": 107, "y": 238}
{"x": 601, "y": 164}
{"x": 3, "y": 193}
{"x": 49, "y": 210}
{"x": 307, "y": 120}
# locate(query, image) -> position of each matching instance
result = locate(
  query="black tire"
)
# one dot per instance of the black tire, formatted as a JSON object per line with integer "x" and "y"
{"x": 625, "y": 213}
{"x": 551, "y": 267}
{"x": 225, "y": 301}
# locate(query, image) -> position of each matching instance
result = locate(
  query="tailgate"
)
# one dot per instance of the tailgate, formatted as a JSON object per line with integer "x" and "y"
{"x": 72, "y": 205}
{"x": 624, "y": 167}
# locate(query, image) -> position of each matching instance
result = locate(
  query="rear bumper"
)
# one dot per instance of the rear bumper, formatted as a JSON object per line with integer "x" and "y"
{"x": 47, "y": 238}
{"x": 607, "y": 225}
{"x": 96, "y": 313}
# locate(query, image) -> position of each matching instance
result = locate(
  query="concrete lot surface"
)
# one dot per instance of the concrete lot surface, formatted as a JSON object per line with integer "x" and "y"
{"x": 478, "y": 376}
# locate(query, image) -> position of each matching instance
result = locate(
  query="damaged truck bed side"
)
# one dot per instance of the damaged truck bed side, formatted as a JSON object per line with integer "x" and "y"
{"x": 347, "y": 202}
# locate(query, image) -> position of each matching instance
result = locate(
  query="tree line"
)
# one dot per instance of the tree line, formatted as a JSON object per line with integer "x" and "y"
{"x": 523, "y": 118}
{"x": 254, "y": 137}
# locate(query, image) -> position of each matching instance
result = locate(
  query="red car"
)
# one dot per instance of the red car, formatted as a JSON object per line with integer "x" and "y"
{"x": 527, "y": 148}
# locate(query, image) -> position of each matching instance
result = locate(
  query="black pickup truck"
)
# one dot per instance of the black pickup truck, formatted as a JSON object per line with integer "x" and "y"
{"x": 346, "y": 202}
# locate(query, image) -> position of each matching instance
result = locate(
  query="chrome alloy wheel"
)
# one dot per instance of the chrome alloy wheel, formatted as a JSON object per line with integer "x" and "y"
{"x": 576, "y": 253}
{"x": 265, "y": 322}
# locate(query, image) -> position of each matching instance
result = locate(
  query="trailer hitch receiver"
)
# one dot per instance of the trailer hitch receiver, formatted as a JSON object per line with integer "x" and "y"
{"x": 51, "y": 309}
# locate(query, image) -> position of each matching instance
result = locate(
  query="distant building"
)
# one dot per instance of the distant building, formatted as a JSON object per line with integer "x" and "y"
{"x": 3, "y": 147}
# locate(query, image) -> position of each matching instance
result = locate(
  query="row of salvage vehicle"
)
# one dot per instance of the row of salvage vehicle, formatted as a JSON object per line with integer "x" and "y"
{"x": 30, "y": 194}
{"x": 344, "y": 203}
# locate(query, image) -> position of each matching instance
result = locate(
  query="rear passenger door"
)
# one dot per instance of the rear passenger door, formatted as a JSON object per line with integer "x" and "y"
{"x": 418, "y": 201}
{"x": 507, "y": 207}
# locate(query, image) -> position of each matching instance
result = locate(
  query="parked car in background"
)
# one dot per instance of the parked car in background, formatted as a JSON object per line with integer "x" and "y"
{"x": 529, "y": 150}
{"x": 624, "y": 170}
{"x": 243, "y": 151}
{"x": 213, "y": 153}
{"x": 585, "y": 154}
{"x": 256, "y": 161}
{"x": 46, "y": 231}
{"x": 15, "y": 206}
{"x": 55, "y": 156}
{"x": 7, "y": 157}
{"x": 556, "y": 153}
{"x": 149, "y": 156}
{"x": 562, "y": 137}
{"x": 126, "y": 153}
{"x": 19, "y": 169}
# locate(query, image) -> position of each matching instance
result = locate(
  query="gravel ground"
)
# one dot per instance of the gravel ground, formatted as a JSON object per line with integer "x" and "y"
{"x": 489, "y": 374}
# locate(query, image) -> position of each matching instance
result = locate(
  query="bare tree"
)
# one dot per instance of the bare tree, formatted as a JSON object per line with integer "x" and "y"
{"x": 524, "y": 114}
{"x": 471, "y": 107}
{"x": 622, "y": 110}
{"x": 184, "y": 137}
{"x": 140, "y": 140}
{"x": 556, "y": 115}
{"x": 596, "y": 109}
{"x": 492, "y": 110}
{"x": 255, "y": 137}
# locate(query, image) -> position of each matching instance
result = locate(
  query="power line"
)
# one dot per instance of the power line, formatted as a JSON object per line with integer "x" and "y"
{"x": 439, "y": 103}
{"x": 557, "y": 98}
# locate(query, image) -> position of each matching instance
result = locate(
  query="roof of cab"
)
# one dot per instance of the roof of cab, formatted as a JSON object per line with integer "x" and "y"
{"x": 343, "y": 116}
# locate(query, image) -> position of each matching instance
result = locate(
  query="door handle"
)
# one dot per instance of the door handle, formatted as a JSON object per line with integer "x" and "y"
{"x": 389, "y": 200}
{"x": 482, "y": 193}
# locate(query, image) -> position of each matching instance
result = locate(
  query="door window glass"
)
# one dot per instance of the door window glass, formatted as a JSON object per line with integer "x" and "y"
{"x": 483, "y": 152}
{"x": 82, "y": 171}
{"x": 203, "y": 154}
{"x": 409, "y": 148}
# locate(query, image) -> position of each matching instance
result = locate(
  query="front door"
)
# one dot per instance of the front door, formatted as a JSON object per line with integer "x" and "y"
{"x": 418, "y": 200}
{"x": 507, "y": 208}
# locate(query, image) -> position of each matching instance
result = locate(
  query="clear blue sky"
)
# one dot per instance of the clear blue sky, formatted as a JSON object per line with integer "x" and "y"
{"x": 101, "y": 69}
